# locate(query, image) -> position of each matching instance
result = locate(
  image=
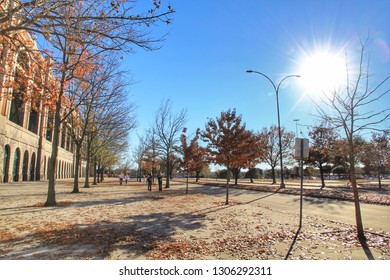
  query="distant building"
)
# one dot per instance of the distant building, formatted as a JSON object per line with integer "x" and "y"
{"x": 26, "y": 128}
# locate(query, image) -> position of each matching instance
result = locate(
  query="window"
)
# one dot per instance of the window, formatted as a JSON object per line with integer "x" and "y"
{"x": 17, "y": 103}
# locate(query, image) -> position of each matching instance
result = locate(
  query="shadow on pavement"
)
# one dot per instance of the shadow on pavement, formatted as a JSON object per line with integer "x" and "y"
{"x": 293, "y": 243}
{"x": 367, "y": 250}
{"x": 138, "y": 236}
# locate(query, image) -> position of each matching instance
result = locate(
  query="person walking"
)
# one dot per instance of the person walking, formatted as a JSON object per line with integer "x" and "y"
{"x": 149, "y": 180}
{"x": 120, "y": 178}
{"x": 159, "y": 178}
{"x": 126, "y": 178}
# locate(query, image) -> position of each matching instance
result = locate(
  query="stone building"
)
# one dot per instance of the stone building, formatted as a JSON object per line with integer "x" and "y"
{"x": 25, "y": 128}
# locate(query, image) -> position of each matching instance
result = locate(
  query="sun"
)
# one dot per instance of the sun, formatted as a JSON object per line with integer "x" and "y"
{"x": 322, "y": 72}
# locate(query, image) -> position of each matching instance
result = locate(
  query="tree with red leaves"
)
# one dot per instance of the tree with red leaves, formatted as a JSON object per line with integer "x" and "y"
{"x": 229, "y": 143}
{"x": 194, "y": 157}
{"x": 375, "y": 154}
{"x": 321, "y": 150}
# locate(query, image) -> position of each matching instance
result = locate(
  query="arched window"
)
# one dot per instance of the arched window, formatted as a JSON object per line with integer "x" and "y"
{"x": 58, "y": 169}
{"x": 25, "y": 166}
{"x": 32, "y": 167}
{"x": 16, "y": 166}
{"x": 7, "y": 152}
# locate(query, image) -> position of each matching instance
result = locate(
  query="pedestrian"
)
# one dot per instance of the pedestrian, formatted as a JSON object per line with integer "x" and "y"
{"x": 159, "y": 178}
{"x": 120, "y": 178}
{"x": 149, "y": 180}
{"x": 126, "y": 178}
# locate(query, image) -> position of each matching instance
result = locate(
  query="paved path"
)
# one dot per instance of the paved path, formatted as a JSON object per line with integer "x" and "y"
{"x": 374, "y": 216}
{"x": 129, "y": 214}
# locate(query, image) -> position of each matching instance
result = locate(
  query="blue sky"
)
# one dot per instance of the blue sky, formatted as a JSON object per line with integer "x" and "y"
{"x": 203, "y": 61}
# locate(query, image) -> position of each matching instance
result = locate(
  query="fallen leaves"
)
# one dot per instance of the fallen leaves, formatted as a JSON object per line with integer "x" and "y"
{"x": 231, "y": 203}
{"x": 125, "y": 222}
{"x": 58, "y": 204}
{"x": 366, "y": 195}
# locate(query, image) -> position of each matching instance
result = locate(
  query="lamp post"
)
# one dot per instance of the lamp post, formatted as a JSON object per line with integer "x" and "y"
{"x": 276, "y": 88}
{"x": 296, "y": 127}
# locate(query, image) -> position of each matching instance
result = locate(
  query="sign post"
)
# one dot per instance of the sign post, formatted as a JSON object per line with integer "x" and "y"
{"x": 301, "y": 152}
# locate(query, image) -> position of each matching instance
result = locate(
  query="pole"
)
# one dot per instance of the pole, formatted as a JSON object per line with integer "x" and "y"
{"x": 187, "y": 182}
{"x": 301, "y": 201}
{"x": 276, "y": 88}
{"x": 296, "y": 135}
{"x": 282, "y": 185}
{"x": 296, "y": 127}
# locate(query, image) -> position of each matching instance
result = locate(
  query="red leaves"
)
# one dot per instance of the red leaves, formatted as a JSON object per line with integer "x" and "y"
{"x": 195, "y": 157}
{"x": 178, "y": 249}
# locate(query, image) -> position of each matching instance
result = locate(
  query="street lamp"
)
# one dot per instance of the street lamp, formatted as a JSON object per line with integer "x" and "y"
{"x": 296, "y": 127}
{"x": 276, "y": 88}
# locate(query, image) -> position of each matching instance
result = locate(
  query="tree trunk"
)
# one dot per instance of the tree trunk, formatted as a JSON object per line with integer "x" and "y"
{"x": 168, "y": 171}
{"x": 88, "y": 165}
{"x": 236, "y": 174}
{"x": 51, "y": 195}
{"x": 102, "y": 175}
{"x": 77, "y": 166}
{"x": 98, "y": 175}
{"x": 358, "y": 215}
{"x": 94, "y": 173}
{"x": 227, "y": 186}
{"x": 39, "y": 155}
{"x": 322, "y": 177}
{"x": 273, "y": 175}
{"x": 379, "y": 179}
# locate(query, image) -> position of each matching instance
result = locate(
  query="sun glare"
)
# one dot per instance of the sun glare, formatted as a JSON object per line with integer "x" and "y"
{"x": 322, "y": 72}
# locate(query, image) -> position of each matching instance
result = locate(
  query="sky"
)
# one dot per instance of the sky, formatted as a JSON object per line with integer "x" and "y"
{"x": 201, "y": 65}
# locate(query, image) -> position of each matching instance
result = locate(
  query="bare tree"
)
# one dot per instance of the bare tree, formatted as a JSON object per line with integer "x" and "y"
{"x": 113, "y": 118}
{"x": 95, "y": 96}
{"x": 79, "y": 32}
{"x": 138, "y": 156}
{"x": 357, "y": 108}
{"x": 271, "y": 153}
{"x": 114, "y": 22}
{"x": 167, "y": 128}
{"x": 107, "y": 157}
{"x": 151, "y": 154}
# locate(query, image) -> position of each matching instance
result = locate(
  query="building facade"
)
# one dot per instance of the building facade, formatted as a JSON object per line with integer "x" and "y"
{"x": 26, "y": 126}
